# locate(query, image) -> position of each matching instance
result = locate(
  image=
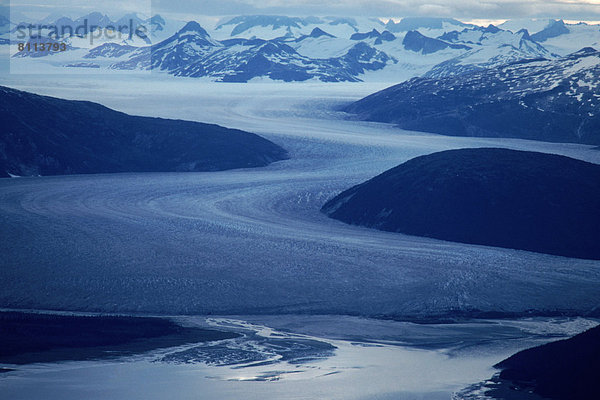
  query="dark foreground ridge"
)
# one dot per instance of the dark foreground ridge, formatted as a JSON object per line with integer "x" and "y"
{"x": 49, "y": 136}
{"x": 563, "y": 370}
{"x": 32, "y": 338}
{"x": 497, "y": 197}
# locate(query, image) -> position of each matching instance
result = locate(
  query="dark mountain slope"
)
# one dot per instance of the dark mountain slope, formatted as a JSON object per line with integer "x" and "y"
{"x": 50, "y": 136}
{"x": 563, "y": 370}
{"x": 554, "y": 29}
{"x": 497, "y": 197}
{"x": 417, "y": 42}
{"x": 550, "y": 100}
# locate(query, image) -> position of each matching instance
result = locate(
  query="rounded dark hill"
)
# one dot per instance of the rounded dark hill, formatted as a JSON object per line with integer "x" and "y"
{"x": 497, "y": 197}
{"x": 561, "y": 370}
{"x": 44, "y": 135}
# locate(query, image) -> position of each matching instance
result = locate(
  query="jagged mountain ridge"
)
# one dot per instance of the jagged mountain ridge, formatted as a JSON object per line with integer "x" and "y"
{"x": 273, "y": 26}
{"x": 192, "y": 52}
{"x": 417, "y": 42}
{"x": 240, "y": 60}
{"x": 487, "y": 48}
{"x": 323, "y": 48}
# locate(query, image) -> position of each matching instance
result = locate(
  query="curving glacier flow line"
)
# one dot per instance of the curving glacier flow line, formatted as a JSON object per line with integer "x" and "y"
{"x": 253, "y": 241}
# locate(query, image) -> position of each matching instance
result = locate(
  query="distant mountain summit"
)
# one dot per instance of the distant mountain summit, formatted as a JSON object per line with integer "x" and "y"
{"x": 175, "y": 53}
{"x": 496, "y": 197}
{"x": 417, "y": 42}
{"x": 374, "y": 34}
{"x": 554, "y": 29}
{"x": 551, "y": 100}
{"x": 193, "y": 27}
{"x": 317, "y": 33}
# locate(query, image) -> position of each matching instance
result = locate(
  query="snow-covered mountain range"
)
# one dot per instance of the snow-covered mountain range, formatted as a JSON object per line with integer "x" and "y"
{"x": 551, "y": 100}
{"x": 329, "y": 49}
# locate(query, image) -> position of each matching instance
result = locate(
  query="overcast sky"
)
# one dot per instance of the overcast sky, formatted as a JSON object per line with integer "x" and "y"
{"x": 492, "y": 9}
{"x": 587, "y": 10}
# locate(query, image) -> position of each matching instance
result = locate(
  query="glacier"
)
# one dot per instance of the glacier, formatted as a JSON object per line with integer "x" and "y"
{"x": 254, "y": 241}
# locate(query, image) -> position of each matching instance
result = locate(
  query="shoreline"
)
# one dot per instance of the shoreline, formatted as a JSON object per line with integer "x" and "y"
{"x": 38, "y": 338}
{"x": 446, "y": 318}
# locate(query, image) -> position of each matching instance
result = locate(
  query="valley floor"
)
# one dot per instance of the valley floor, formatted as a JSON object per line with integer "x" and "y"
{"x": 254, "y": 241}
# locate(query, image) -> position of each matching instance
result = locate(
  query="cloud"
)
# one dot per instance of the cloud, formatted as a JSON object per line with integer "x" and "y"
{"x": 465, "y": 9}
{"x": 77, "y": 8}
{"x": 566, "y": 9}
